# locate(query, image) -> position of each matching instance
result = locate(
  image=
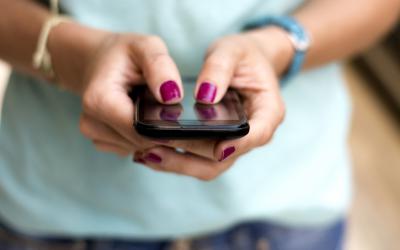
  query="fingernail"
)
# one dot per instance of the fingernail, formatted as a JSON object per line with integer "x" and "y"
{"x": 207, "y": 92}
{"x": 169, "y": 91}
{"x": 227, "y": 152}
{"x": 153, "y": 158}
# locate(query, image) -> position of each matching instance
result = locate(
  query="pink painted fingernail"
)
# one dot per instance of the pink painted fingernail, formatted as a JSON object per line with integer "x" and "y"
{"x": 153, "y": 158}
{"x": 227, "y": 152}
{"x": 169, "y": 91}
{"x": 207, "y": 93}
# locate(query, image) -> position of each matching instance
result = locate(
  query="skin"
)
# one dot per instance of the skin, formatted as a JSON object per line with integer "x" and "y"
{"x": 101, "y": 67}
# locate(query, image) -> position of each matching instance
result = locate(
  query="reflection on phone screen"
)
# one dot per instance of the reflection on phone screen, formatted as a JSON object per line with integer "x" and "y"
{"x": 189, "y": 110}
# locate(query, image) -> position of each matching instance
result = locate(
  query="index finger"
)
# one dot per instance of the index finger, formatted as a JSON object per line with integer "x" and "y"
{"x": 159, "y": 69}
{"x": 217, "y": 73}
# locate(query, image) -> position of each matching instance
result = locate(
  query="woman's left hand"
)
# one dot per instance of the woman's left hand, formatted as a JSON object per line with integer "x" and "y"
{"x": 241, "y": 62}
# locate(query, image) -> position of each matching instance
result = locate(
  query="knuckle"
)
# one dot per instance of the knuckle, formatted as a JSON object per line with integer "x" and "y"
{"x": 104, "y": 104}
{"x": 104, "y": 101}
{"x": 259, "y": 138}
{"x": 153, "y": 41}
{"x": 266, "y": 136}
{"x": 96, "y": 103}
{"x": 89, "y": 102}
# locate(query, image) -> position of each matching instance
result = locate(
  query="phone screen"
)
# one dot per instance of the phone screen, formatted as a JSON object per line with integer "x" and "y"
{"x": 188, "y": 119}
{"x": 190, "y": 111}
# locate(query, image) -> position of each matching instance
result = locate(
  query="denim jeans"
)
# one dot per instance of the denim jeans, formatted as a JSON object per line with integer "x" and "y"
{"x": 246, "y": 236}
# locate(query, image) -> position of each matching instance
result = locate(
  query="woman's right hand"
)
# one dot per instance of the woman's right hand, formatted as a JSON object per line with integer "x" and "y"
{"x": 113, "y": 66}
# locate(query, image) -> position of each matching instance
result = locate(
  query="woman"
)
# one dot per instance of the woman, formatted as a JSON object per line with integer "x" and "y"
{"x": 292, "y": 192}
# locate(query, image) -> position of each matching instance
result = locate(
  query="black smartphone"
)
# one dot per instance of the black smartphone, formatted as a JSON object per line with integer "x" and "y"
{"x": 190, "y": 120}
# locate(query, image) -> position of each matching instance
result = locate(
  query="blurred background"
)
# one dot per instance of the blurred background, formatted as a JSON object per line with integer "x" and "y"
{"x": 374, "y": 82}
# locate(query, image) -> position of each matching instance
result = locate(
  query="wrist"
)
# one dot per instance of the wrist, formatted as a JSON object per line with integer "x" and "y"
{"x": 276, "y": 47}
{"x": 71, "y": 47}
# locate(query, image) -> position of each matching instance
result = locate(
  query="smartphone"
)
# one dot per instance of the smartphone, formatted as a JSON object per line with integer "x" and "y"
{"x": 190, "y": 120}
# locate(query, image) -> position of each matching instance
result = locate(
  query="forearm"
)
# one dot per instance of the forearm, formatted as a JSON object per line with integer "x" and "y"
{"x": 342, "y": 28}
{"x": 20, "y": 24}
{"x": 338, "y": 29}
{"x": 70, "y": 44}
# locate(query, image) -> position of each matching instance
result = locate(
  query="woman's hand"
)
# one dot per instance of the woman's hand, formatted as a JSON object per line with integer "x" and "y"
{"x": 242, "y": 62}
{"x": 122, "y": 62}
{"x": 115, "y": 64}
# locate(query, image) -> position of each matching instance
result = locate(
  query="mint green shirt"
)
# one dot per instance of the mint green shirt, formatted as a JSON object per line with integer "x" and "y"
{"x": 54, "y": 182}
